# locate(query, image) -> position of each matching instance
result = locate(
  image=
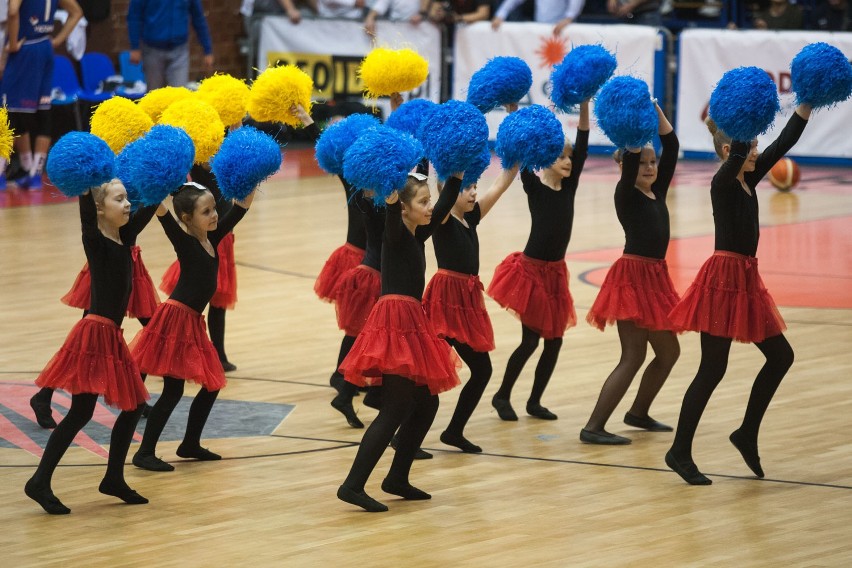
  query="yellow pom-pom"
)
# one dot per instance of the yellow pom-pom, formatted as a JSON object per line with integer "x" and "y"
{"x": 386, "y": 71}
{"x": 276, "y": 91}
{"x": 119, "y": 121}
{"x": 228, "y": 95}
{"x": 6, "y": 134}
{"x": 158, "y": 100}
{"x": 201, "y": 122}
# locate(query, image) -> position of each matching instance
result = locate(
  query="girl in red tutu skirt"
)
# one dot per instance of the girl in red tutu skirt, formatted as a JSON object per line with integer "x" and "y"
{"x": 455, "y": 304}
{"x": 174, "y": 345}
{"x": 728, "y": 301}
{"x": 637, "y": 292}
{"x": 534, "y": 284}
{"x": 399, "y": 349}
{"x": 94, "y": 359}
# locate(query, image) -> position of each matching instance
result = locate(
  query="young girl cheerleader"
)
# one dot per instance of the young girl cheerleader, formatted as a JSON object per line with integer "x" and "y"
{"x": 728, "y": 299}
{"x": 637, "y": 292}
{"x": 534, "y": 284}
{"x": 174, "y": 345}
{"x": 94, "y": 359}
{"x": 398, "y": 347}
{"x": 454, "y": 302}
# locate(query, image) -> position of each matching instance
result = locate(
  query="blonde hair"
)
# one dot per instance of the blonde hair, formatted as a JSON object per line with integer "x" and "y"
{"x": 99, "y": 192}
{"x": 719, "y": 138}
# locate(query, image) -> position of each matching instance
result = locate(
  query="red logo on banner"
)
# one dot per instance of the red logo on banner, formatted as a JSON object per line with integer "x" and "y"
{"x": 552, "y": 50}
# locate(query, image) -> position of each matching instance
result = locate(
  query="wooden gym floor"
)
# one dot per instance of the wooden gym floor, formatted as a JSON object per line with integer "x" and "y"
{"x": 535, "y": 497}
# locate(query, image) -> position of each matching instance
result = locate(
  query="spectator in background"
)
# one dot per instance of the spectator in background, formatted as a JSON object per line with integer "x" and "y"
{"x": 640, "y": 12}
{"x": 831, "y": 15}
{"x": 459, "y": 11}
{"x": 781, "y": 15}
{"x": 558, "y": 12}
{"x": 159, "y": 38}
{"x": 276, "y": 7}
{"x": 345, "y": 9}
{"x": 412, "y": 11}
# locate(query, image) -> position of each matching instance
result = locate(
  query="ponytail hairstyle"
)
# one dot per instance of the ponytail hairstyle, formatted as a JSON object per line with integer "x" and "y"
{"x": 185, "y": 197}
{"x": 618, "y": 155}
{"x": 719, "y": 137}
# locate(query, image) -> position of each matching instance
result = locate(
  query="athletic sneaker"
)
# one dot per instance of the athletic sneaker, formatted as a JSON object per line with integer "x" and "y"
{"x": 35, "y": 182}
{"x": 2, "y": 182}
{"x": 23, "y": 182}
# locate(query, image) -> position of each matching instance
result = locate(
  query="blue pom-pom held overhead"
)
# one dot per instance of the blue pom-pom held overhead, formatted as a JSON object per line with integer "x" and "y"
{"x": 410, "y": 115}
{"x": 580, "y": 75}
{"x": 531, "y": 137}
{"x": 821, "y": 75}
{"x": 155, "y": 165}
{"x": 380, "y": 159}
{"x": 78, "y": 162}
{"x": 501, "y": 81}
{"x": 453, "y": 136}
{"x": 477, "y": 167}
{"x": 744, "y": 103}
{"x": 245, "y": 159}
{"x": 337, "y": 138}
{"x": 626, "y": 113}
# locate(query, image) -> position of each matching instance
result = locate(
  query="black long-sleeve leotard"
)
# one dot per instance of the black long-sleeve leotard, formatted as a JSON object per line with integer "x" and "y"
{"x": 457, "y": 246}
{"x": 735, "y": 212}
{"x": 646, "y": 221}
{"x": 356, "y": 232}
{"x": 373, "y": 219}
{"x": 552, "y": 211}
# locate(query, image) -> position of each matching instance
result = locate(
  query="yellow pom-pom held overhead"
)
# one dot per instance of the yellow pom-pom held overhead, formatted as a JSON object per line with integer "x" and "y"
{"x": 228, "y": 95}
{"x": 6, "y": 134}
{"x": 119, "y": 121}
{"x": 386, "y": 71}
{"x": 201, "y": 122}
{"x": 276, "y": 91}
{"x": 158, "y": 100}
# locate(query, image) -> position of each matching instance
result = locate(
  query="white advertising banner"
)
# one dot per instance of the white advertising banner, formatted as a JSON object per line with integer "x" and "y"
{"x": 705, "y": 55}
{"x": 330, "y": 51}
{"x": 634, "y": 48}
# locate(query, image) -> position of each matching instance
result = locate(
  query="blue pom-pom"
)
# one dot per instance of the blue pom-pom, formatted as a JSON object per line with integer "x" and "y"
{"x": 626, "y": 113}
{"x": 78, "y": 162}
{"x": 380, "y": 160}
{"x": 501, "y": 81}
{"x": 244, "y": 160}
{"x": 531, "y": 137}
{"x": 155, "y": 165}
{"x": 476, "y": 168}
{"x": 744, "y": 103}
{"x": 337, "y": 138}
{"x": 581, "y": 73}
{"x": 821, "y": 75}
{"x": 410, "y": 115}
{"x": 453, "y": 137}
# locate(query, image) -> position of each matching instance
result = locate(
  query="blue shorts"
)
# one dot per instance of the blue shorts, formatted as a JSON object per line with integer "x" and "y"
{"x": 28, "y": 78}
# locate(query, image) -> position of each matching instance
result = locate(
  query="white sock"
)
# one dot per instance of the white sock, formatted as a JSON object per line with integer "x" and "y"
{"x": 38, "y": 163}
{"x": 2, "y": 166}
{"x": 26, "y": 161}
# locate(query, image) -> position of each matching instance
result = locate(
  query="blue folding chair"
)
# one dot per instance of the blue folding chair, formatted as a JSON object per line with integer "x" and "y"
{"x": 95, "y": 67}
{"x": 66, "y": 87}
{"x": 131, "y": 72}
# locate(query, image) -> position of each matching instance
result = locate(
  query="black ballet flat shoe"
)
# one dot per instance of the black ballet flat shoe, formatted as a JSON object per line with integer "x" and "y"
{"x": 345, "y": 408}
{"x": 460, "y": 442}
{"x": 122, "y": 491}
{"x": 228, "y": 366}
{"x": 198, "y": 453}
{"x": 603, "y": 438}
{"x": 748, "y": 451}
{"x": 45, "y": 497}
{"x": 404, "y": 490}
{"x": 151, "y": 462}
{"x": 538, "y": 411}
{"x": 688, "y": 471}
{"x": 146, "y": 410}
{"x": 420, "y": 454}
{"x": 43, "y": 412}
{"x": 360, "y": 499}
{"x": 504, "y": 409}
{"x": 646, "y": 423}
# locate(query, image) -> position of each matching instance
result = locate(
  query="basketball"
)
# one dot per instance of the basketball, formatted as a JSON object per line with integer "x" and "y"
{"x": 785, "y": 174}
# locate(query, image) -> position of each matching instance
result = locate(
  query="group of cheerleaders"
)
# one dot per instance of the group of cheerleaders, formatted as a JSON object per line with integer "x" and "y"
{"x": 403, "y": 339}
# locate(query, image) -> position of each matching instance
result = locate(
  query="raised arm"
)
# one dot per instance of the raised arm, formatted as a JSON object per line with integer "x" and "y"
{"x": 668, "y": 158}
{"x": 785, "y": 141}
{"x": 88, "y": 216}
{"x": 393, "y": 218}
{"x": 442, "y": 208}
{"x": 497, "y": 189}
{"x": 139, "y": 219}
{"x": 581, "y": 148}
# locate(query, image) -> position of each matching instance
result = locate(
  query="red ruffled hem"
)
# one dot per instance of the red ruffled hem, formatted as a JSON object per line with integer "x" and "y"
{"x": 536, "y": 291}
{"x": 398, "y": 340}
{"x": 728, "y": 299}
{"x": 80, "y": 294}
{"x": 637, "y": 289}
{"x": 455, "y": 306}
{"x": 341, "y": 261}
{"x": 356, "y": 294}
{"x": 175, "y": 344}
{"x": 94, "y": 359}
{"x": 225, "y": 296}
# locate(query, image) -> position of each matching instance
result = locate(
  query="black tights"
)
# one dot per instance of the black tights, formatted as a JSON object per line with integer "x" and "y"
{"x": 480, "y": 373}
{"x": 634, "y": 347}
{"x": 406, "y": 406}
{"x": 162, "y": 410}
{"x": 216, "y": 327}
{"x": 543, "y": 371}
{"x": 346, "y": 389}
{"x": 714, "y": 363}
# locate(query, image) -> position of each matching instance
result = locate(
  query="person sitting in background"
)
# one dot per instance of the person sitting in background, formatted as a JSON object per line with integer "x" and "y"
{"x": 459, "y": 11}
{"x": 640, "y": 12}
{"x": 344, "y": 9}
{"x": 831, "y": 15}
{"x": 559, "y": 12}
{"x": 412, "y": 11}
{"x": 781, "y": 15}
{"x": 277, "y": 7}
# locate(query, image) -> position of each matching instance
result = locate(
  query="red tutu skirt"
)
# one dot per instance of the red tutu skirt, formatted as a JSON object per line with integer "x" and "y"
{"x": 94, "y": 359}
{"x": 638, "y": 289}
{"x": 356, "y": 294}
{"x": 143, "y": 295}
{"x": 398, "y": 340}
{"x": 341, "y": 261}
{"x": 537, "y": 292}
{"x": 728, "y": 299}
{"x": 455, "y": 306}
{"x": 226, "y": 279}
{"x": 175, "y": 344}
